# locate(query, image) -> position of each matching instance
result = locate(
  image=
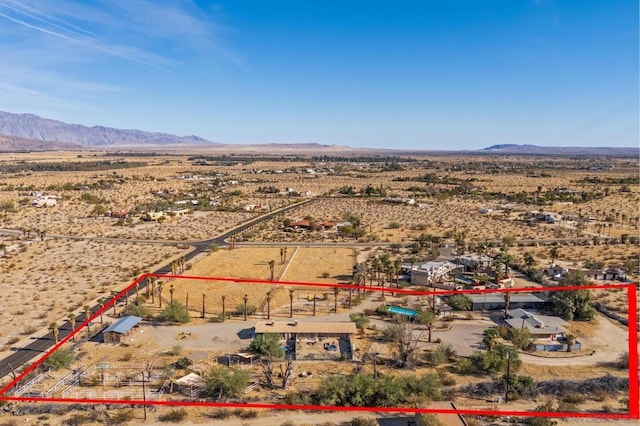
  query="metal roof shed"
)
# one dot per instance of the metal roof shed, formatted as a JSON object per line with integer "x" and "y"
{"x": 122, "y": 327}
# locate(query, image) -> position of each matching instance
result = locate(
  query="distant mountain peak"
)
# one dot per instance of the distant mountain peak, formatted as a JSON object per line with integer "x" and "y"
{"x": 512, "y": 148}
{"x": 29, "y": 126}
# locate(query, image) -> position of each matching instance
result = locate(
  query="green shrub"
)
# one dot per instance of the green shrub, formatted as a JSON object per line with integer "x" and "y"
{"x": 183, "y": 363}
{"x": 177, "y": 312}
{"x": 137, "y": 310}
{"x": 62, "y": 358}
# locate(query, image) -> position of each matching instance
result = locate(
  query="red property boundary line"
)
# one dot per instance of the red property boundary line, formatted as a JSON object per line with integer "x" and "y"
{"x": 634, "y": 403}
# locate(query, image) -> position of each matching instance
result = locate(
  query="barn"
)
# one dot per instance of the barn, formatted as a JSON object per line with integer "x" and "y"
{"x": 120, "y": 329}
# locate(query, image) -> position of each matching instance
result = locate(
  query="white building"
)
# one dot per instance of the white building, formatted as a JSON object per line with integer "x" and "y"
{"x": 431, "y": 272}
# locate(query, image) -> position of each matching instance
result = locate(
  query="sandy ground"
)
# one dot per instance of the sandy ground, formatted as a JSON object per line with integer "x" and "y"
{"x": 44, "y": 281}
{"x": 303, "y": 264}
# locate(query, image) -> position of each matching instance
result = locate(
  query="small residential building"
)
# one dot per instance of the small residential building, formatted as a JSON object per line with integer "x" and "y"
{"x": 300, "y": 224}
{"x": 152, "y": 216}
{"x": 178, "y": 212}
{"x": 548, "y": 332}
{"x": 609, "y": 274}
{"x": 431, "y": 272}
{"x": 328, "y": 225}
{"x": 471, "y": 262}
{"x": 556, "y": 271}
{"x": 540, "y": 326}
{"x": 117, "y": 331}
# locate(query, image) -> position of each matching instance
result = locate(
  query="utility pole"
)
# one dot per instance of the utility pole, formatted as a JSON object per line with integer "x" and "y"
{"x": 506, "y": 392}
{"x": 144, "y": 396}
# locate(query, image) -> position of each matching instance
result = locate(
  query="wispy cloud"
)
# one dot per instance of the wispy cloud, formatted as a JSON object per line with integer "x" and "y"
{"x": 60, "y": 51}
{"x": 63, "y": 31}
{"x": 138, "y": 31}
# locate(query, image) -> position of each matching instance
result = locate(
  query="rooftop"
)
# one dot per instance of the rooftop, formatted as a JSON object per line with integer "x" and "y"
{"x": 305, "y": 327}
{"x": 123, "y": 325}
{"x": 499, "y": 298}
{"x": 537, "y": 324}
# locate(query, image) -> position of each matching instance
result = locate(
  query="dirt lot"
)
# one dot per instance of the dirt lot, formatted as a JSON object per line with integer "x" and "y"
{"x": 44, "y": 281}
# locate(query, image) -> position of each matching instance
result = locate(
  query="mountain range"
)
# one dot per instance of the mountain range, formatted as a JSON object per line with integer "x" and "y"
{"x": 560, "y": 150}
{"x": 29, "y": 126}
{"x": 28, "y": 132}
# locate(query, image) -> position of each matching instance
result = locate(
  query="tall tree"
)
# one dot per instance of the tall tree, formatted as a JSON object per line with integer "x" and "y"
{"x": 54, "y": 329}
{"x": 87, "y": 314}
{"x": 403, "y": 337}
{"x": 427, "y": 318}
{"x": 291, "y": 291}
{"x": 571, "y": 340}
{"x": 397, "y": 265}
{"x": 573, "y": 304}
{"x": 72, "y": 322}
{"x": 272, "y": 267}
{"x": 507, "y": 300}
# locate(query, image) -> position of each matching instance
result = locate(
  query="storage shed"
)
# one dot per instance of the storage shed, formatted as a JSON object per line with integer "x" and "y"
{"x": 120, "y": 329}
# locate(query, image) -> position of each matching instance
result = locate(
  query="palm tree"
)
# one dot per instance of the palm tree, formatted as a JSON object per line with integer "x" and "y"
{"x": 336, "y": 290}
{"x": 101, "y": 304}
{"x": 291, "y": 303}
{"x": 87, "y": 314}
{"x": 113, "y": 296}
{"x": 427, "y": 318}
{"x": 397, "y": 265}
{"x": 151, "y": 287}
{"x": 223, "y": 310}
{"x": 314, "y": 304}
{"x": 376, "y": 267}
{"x": 54, "y": 328}
{"x": 571, "y": 340}
{"x": 507, "y": 300}
{"x": 245, "y": 299}
{"x": 268, "y": 305}
{"x": 72, "y": 322}
{"x": 272, "y": 268}
{"x": 204, "y": 296}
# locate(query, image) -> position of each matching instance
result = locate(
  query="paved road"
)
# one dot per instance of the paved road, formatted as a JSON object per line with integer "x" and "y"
{"x": 41, "y": 345}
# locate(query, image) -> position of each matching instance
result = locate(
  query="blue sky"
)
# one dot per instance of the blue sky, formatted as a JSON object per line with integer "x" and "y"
{"x": 427, "y": 74}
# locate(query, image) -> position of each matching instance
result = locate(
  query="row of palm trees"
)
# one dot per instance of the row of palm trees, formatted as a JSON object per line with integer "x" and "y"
{"x": 178, "y": 266}
{"x": 55, "y": 328}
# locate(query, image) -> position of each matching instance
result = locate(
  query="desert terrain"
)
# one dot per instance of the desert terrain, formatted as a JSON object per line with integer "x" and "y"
{"x": 94, "y": 240}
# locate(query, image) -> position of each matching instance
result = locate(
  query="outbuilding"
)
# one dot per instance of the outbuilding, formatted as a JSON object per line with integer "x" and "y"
{"x": 117, "y": 331}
